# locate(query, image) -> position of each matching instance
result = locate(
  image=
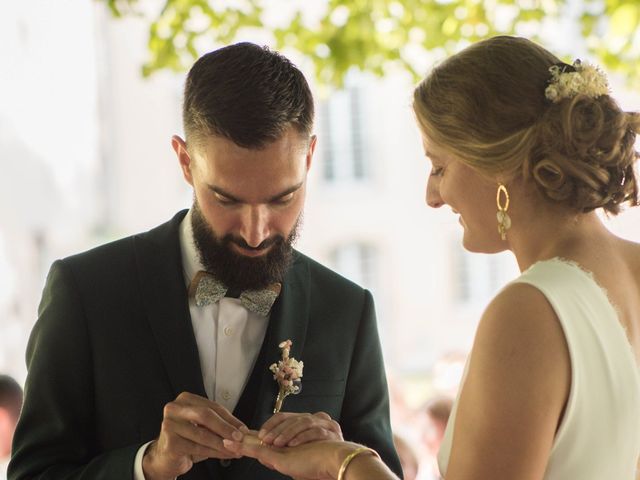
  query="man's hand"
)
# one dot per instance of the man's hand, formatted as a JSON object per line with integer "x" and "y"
{"x": 291, "y": 429}
{"x": 192, "y": 430}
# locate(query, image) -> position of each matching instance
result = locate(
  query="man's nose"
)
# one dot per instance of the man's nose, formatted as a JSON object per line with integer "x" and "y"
{"x": 433, "y": 194}
{"x": 255, "y": 225}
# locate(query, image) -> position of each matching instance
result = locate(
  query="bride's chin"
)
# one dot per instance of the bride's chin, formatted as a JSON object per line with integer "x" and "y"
{"x": 475, "y": 245}
{"x": 489, "y": 246}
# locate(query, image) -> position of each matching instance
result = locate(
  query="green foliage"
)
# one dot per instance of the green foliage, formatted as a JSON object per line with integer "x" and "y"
{"x": 378, "y": 35}
{"x": 116, "y": 7}
{"x": 612, "y": 31}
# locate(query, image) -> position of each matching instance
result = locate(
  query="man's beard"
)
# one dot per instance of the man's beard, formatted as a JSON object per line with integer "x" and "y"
{"x": 239, "y": 272}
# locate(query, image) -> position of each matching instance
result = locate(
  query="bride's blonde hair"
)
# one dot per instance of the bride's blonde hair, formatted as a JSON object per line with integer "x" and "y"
{"x": 487, "y": 106}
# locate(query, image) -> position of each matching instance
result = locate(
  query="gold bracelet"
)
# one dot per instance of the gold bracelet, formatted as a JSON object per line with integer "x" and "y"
{"x": 351, "y": 456}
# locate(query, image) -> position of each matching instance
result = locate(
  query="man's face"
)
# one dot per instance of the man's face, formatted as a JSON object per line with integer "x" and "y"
{"x": 247, "y": 207}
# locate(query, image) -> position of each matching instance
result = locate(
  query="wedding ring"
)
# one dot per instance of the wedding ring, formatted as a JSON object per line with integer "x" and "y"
{"x": 261, "y": 443}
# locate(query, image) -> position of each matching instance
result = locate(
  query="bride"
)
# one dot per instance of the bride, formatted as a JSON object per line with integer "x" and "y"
{"x": 524, "y": 150}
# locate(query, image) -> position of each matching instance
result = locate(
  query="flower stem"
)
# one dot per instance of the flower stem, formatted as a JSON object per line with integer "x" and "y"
{"x": 279, "y": 401}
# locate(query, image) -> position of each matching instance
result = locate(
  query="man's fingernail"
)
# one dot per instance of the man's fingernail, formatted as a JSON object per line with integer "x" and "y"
{"x": 261, "y": 434}
{"x": 228, "y": 443}
{"x": 237, "y": 436}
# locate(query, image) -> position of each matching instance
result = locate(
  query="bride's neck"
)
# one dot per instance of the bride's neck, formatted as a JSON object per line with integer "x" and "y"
{"x": 555, "y": 235}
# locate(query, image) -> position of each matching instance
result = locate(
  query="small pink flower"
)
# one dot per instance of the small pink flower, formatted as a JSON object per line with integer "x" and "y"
{"x": 287, "y": 372}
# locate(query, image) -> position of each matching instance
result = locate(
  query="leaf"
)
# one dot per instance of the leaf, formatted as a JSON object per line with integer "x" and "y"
{"x": 624, "y": 20}
{"x": 374, "y": 35}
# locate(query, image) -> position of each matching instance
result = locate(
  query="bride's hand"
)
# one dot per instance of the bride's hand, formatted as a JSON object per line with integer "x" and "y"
{"x": 311, "y": 461}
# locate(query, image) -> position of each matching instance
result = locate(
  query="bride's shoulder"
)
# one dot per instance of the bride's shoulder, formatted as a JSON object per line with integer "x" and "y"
{"x": 520, "y": 317}
{"x": 518, "y": 300}
{"x": 631, "y": 252}
{"x": 519, "y": 368}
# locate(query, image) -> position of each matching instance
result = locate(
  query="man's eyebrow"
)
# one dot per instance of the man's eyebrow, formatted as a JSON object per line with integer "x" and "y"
{"x": 222, "y": 192}
{"x": 286, "y": 192}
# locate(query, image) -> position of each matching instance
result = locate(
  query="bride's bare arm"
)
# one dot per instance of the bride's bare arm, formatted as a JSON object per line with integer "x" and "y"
{"x": 316, "y": 460}
{"x": 516, "y": 387}
{"x": 368, "y": 467}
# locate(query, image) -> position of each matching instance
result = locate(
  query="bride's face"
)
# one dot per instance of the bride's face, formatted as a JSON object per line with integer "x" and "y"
{"x": 470, "y": 195}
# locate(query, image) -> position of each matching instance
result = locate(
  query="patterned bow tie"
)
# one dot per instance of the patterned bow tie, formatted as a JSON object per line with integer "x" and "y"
{"x": 206, "y": 289}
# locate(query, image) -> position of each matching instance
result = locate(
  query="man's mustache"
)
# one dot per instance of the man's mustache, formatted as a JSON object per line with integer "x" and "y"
{"x": 266, "y": 243}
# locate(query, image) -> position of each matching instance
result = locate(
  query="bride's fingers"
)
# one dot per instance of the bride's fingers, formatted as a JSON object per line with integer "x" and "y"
{"x": 251, "y": 447}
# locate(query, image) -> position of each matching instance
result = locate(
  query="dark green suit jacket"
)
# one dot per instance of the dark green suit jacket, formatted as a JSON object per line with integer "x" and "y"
{"x": 114, "y": 343}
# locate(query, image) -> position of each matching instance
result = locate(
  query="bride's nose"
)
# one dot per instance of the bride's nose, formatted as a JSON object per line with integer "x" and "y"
{"x": 433, "y": 198}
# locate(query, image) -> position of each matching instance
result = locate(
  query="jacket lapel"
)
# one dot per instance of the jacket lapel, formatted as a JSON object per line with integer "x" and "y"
{"x": 289, "y": 319}
{"x": 164, "y": 293}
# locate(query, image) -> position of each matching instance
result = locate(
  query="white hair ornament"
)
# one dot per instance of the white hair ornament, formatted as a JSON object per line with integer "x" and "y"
{"x": 581, "y": 78}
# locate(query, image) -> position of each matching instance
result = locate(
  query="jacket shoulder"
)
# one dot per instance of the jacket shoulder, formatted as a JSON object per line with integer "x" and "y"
{"x": 120, "y": 253}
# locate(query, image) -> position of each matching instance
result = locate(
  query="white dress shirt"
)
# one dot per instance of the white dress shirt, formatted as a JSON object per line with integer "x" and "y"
{"x": 4, "y": 463}
{"x": 228, "y": 337}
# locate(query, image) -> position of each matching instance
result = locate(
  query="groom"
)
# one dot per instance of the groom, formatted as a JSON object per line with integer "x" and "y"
{"x": 150, "y": 350}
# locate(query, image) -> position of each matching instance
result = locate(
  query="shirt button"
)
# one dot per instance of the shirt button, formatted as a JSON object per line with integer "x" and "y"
{"x": 228, "y": 331}
{"x": 225, "y": 462}
{"x": 226, "y": 395}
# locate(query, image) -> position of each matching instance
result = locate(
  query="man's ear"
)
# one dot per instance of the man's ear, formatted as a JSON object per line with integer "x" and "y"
{"x": 311, "y": 151}
{"x": 180, "y": 147}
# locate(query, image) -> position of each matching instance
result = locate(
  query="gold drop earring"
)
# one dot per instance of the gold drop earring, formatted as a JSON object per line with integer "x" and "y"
{"x": 502, "y": 201}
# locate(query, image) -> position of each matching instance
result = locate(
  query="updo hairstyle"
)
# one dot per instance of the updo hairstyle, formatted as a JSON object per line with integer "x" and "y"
{"x": 487, "y": 106}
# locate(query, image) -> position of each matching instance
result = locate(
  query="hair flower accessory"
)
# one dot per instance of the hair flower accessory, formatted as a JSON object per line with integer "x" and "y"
{"x": 287, "y": 372}
{"x": 581, "y": 78}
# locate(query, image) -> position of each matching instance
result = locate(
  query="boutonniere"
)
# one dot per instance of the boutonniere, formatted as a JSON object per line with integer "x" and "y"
{"x": 287, "y": 372}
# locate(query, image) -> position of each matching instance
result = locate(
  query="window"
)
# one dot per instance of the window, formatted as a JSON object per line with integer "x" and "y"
{"x": 343, "y": 141}
{"x": 357, "y": 262}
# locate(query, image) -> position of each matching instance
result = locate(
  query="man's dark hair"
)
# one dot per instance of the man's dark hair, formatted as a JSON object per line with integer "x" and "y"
{"x": 247, "y": 94}
{"x": 10, "y": 395}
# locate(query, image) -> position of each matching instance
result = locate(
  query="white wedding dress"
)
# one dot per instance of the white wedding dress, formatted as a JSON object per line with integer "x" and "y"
{"x": 599, "y": 437}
